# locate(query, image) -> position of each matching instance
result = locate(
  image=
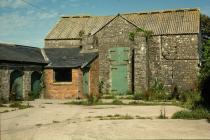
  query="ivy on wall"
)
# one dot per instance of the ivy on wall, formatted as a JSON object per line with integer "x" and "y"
{"x": 147, "y": 34}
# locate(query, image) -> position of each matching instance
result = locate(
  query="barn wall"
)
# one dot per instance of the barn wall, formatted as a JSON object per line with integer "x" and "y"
{"x": 115, "y": 34}
{"x": 174, "y": 60}
{"x": 63, "y": 90}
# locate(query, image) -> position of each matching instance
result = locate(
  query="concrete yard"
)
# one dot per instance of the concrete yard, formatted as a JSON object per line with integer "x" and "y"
{"x": 51, "y": 120}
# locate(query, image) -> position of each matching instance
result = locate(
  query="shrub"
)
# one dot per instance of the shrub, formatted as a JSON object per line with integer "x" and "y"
{"x": 190, "y": 99}
{"x": 158, "y": 91}
{"x": 198, "y": 113}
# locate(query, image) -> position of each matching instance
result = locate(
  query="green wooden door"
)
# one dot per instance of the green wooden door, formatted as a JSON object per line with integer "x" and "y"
{"x": 16, "y": 85}
{"x": 35, "y": 84}
{"x": 86, "y": 81}
{"x": 119, "y": 64}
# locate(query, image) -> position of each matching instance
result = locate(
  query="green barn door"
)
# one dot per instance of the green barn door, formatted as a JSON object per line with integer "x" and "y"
{"x": 119, "y": 62}
{"x": 16, "y": 85}
{"x": 35, "y": 84}
{"x": 86, "y": 81}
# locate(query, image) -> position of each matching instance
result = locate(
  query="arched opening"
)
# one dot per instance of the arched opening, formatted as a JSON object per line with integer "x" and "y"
{"x": 16, "y": 85}
{"x": 35, "y": 84}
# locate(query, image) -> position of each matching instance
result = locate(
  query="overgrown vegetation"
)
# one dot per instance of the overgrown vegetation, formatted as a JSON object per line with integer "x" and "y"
{"x": 19, "y": 105}
{"x": 205, "y": 68}
{"x": 147, "y": 34}
{"x": 197, "y": 113}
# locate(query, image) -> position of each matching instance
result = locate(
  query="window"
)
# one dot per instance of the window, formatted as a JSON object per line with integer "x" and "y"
{"x": 63, "y": 75}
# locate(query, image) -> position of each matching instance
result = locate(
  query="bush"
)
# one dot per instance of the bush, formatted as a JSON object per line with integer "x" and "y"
{"x": 199, "y": 113}
{"x": 190, "y": 99}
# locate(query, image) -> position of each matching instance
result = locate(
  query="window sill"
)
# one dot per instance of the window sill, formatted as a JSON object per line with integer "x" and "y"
{"x": 62, "y": 83}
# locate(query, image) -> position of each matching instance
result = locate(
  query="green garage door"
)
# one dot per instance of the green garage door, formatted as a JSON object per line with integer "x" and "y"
{"x": 36, "y": 84}
{"x": 86, "y": 81}
{"x": 119, "y": 64}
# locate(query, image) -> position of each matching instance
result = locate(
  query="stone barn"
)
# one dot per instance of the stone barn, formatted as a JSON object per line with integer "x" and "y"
{"x": 20, "y": 71}
{"x": 136, "y": 49}
{"x": 70, "y": 73}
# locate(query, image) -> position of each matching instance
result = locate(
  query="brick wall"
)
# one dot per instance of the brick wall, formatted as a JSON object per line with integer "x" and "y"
{"x": 63, "y": 90}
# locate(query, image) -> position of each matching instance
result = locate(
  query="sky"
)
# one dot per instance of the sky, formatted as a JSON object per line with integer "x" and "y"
{"x": 27, "y": 22}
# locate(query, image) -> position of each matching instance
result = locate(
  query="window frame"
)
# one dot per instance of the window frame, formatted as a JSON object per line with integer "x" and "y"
{"x": 62, "y": 82}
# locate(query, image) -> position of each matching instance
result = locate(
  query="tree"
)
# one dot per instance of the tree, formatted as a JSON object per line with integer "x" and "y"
{"x": 205, "y": 69}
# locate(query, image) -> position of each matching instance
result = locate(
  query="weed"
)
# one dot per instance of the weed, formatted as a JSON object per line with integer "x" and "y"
{"x": 2, "y": 105}
{"x": 39, "y": 124}
{"x": 162, "y": 114}
{"x": 139, "y": 117}
{"x": 48, "y": 103}
{"x": 4, "y": 111}
{"x": 138, "y": 96}
{"x": 93, "y": 99}
{"x": 116, "y": 101}
{"x": 198, "y": 113}
{"x": 55, "y": 121}
{"x": 19, "y": 105}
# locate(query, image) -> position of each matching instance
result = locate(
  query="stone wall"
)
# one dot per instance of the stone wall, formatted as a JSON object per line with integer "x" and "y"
{"x": 115, "y": 34}
{"x": 7, "y": 68}
{"x": 174, "y": 60}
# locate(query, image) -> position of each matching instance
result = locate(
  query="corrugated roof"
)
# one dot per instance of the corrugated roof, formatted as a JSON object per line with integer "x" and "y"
{"x": 180, "y": 21}
{"x": 19, "y": 53}
{"x": 68, "y": 57}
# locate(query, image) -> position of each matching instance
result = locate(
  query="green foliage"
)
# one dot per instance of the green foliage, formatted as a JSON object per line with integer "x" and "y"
{"x": 19, "y": 105}
{"x": 190, "y": 99}
{"x": 205, "y": 68}
{"x": 93, "y": 99}
{"x": 158, "y": 91}
{"x": 131, "y": 36}
{"x": 147, "y": 34}
{"x": 116, "y": 101}
{"x": 81, "y": 33}
{"x": 198, "y": 113}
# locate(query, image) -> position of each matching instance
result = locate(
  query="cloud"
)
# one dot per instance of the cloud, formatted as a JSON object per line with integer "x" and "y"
{"x": 12, "y": 4}
{"x": 14, "y": 22}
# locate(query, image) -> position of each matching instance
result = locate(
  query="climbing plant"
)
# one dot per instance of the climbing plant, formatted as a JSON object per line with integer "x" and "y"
{"x": 147, "y": 33}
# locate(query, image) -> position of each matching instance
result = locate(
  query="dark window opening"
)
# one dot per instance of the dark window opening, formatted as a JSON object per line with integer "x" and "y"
{"x": 63, "y": 75}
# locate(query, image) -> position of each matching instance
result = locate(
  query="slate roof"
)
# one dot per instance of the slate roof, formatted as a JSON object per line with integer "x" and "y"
{"x": 68, "y": 57}
{"x": 19, "y": 53}
{"x": 180, "y": 21}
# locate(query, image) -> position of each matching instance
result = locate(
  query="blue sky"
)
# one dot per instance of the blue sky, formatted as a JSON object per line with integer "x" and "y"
{"x": 27, "y": 22}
